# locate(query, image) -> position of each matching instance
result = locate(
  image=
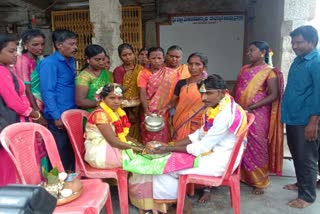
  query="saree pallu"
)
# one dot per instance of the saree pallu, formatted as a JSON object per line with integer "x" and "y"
{"x": 93, "y": 83}
{"x": 140, "y": 189}
{"x": 265, "y": 136}
{"x": 160, "y": 88}
{"x": 183, "y": 71}
{"x": 189, "y": 111}
{"x": 131, "y": 91}
{"x": 35, "y": 87}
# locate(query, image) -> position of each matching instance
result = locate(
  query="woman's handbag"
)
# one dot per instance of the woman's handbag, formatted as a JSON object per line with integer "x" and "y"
{"x": 7, "y": 115}
{"x": 26, "y": 199}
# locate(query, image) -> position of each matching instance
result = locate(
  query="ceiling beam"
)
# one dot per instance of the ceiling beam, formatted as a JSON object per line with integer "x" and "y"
{"x": 30, "y": 4}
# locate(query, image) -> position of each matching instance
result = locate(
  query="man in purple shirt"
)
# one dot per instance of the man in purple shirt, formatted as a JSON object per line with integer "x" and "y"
{"x": 57, "y": 90}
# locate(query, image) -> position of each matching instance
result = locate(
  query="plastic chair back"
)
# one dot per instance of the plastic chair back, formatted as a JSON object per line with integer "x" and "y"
{"x": 73, "y": 120}
{"x": 229, "y": 178}
{"x": 19, "y": 141}
{"x": 236, "y": 149}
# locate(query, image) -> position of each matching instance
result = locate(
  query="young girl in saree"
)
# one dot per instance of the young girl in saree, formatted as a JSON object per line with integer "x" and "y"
{"x": 107, "y": 129}
{"x": 92, "y": 77}
{"x": 259, "y": 88}
{"x": 32, "y": 42}
{"x": 127, "y": 75}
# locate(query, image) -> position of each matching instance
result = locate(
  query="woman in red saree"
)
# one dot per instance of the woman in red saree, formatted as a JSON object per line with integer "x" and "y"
{"x": 259, "y": 88}
{"x": 156, "y": 86}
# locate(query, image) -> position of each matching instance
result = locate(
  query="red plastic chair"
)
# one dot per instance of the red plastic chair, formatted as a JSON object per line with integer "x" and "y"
{"x": 18, "y": 140}
{"x": 228, "y": 179}
{"x": 73, "y": 121}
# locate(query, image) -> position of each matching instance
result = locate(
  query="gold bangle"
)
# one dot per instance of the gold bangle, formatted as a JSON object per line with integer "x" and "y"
{"x": 171, "y": 143}
{"x": 144, "y": 151}
{"x": 38, "y": 117}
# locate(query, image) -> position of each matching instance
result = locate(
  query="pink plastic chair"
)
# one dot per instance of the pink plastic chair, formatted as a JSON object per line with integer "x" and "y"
{"x": 18, "y": 140}
{"x": 73, "y": 121}
{"x": 228, "y": 179}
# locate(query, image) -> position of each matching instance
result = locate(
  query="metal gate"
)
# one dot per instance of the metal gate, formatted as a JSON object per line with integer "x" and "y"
{"x": 78, "y": 21}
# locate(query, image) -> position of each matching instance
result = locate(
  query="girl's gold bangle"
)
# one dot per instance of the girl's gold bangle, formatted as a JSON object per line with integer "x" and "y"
{"x": 36, "y": 118}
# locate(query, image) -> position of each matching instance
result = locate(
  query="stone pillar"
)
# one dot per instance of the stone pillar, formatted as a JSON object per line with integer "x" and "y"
{"x": 296, "y": 13}
{"x": 106, "y": 17}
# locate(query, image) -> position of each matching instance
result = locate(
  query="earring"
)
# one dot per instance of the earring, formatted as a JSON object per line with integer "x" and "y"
{"x": 262, "y": 56}
{"x": 26, "y": 48}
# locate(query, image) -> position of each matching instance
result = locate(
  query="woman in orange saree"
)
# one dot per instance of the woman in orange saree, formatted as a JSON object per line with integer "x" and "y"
{"x": 259, "y": 88}
{"x": 127, "y": 75}
{"x": 187, "y": 101}
{"x": 173, "y": 60}
{"x": 156, "y": 86}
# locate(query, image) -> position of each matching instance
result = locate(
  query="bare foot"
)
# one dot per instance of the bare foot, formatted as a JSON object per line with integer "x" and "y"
{"x": 206, "y": 195}
{"x": 257, "y": 191}
{"x": 298, "y": 203}
{"x": 318, "y": 184}
{"x": 291, "y": 186}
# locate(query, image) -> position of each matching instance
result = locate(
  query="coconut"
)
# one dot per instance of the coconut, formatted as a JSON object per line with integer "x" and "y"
{"x": 62, "y": 176}
{"x": 66, "y": 193}
{"x": 74, "y": 185}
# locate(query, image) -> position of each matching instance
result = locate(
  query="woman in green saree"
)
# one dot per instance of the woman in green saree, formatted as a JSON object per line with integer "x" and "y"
{"x": 92, "y": 77}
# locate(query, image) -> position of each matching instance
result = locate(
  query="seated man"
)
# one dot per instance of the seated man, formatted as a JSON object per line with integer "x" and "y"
{"x": 212, "y": 144}
{"x": 204, "y": 152}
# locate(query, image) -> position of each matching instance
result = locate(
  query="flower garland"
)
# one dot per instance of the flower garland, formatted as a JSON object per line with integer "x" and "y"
{"x": 121, "y": 124}
{"x": 213, "y": 112}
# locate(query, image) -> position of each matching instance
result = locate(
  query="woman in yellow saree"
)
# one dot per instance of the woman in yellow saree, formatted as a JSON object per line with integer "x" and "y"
{"x": 127, "y": 75}
{"x": 259, "y": 88}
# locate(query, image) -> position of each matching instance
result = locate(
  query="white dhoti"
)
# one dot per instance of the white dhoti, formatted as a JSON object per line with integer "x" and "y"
{"x": 166, "y": 186}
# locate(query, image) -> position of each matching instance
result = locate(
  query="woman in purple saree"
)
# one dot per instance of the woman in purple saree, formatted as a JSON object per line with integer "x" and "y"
{"x": 259, "y": 88}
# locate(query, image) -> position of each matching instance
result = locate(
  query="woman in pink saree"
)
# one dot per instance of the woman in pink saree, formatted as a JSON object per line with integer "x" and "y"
{"x": 156, "y": 87}
{"x": 33, "y": 42}
{"x": 259, "y": 88}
